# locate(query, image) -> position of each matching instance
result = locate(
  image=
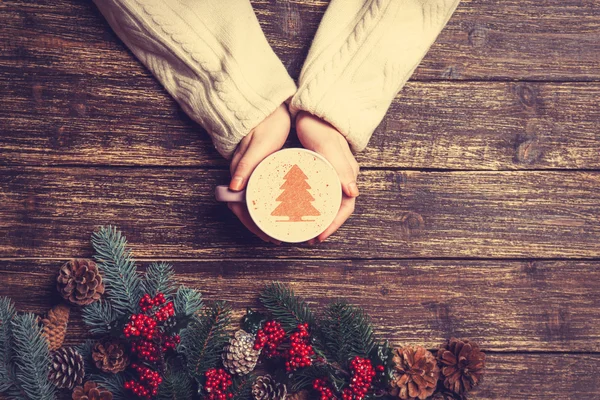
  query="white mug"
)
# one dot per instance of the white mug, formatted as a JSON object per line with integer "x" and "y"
{"x": 293, "y": 195}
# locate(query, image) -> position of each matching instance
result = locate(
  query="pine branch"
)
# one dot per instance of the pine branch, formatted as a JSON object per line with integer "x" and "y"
{"x": 7, "y": 372}
{"x": 188, "y": 301}
{"x": 242, "y": 386}
{"x": 85, "y": 349}
{"x": 100, "y": 317}
{"x": 286, "y": 307}
{"x": 304, "y": 378}
{"x": 159, "y": 279}
{"x": 204, "y": 339}
{"x": 346, "y": 332}
{"x": 122, "y": 281}
{"x": 176, "y": 386}
{"x": 114, "y": 384}
{"x": 32, "y": 358}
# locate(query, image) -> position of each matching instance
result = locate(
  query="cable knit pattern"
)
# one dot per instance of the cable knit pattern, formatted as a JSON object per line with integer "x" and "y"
{"x": 210, "y": 55}
{"x": 362, "y": 55}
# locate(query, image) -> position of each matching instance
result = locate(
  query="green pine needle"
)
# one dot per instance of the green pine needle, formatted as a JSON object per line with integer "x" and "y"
{"x": 31, "y": 357}
{"x": 7, "y": 373}
{"x": 115, "y": 261}
{"x": 85, "y": 349}
{"x": 114, "y": 384}
{"x": 346, "y": 332}
{"x": 286, "y": 307}
{"x": 160, "y": 278}
{"x": 242, "y": 386}
{"x": 188, "y": 301}
{"x": 176, "y": 385}
{"x": 203, "y": 341}
{"x": 100, "y": 317}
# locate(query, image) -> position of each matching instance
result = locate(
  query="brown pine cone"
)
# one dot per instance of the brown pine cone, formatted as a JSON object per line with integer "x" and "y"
{"x": 66, "y": 368}
{"x": 266, "y": 388}
{"x": 415, "y": 373}
{"x": 80, "y": 282}
{"x": 91, "y": 391}
{"x": 447, "y": 396}
{"x": 109, "y": 356}
{"x": 462, "y": 363}
{"x": 239, "y": 356}
{"x": 54, "y": 326}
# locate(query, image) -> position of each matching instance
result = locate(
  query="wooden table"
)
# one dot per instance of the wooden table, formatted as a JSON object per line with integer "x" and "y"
{"x": 480, "y": 208}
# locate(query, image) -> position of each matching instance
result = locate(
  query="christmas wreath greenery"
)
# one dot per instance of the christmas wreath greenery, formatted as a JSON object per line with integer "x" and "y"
{"x": 156, "y": 339}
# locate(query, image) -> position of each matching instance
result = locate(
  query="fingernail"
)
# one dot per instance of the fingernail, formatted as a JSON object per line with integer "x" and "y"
{"x": 353, "y": 189}
{"x": 311, "y": 242}
{"x": 236, "y": 183}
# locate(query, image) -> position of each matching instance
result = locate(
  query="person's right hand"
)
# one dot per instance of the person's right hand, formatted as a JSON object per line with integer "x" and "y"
{"x": 265, "y": 139}
{"x": 321, "y": 137}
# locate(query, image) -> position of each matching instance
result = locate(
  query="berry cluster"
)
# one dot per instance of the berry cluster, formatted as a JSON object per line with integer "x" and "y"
{"x": 320, "y": 385}
{"x": 269, "y": 338}
{"x": 362, "y": 376}
{"x": 217, "y": 383}
{"x": 300, "y": 353}
{"x": 150, "y": 340}
{"x": 147, "y": 385}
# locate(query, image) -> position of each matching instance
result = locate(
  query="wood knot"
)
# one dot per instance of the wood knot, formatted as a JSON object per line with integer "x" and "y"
{"x": 478, "y": 37}
{"x": 527, "y": 95}
{"x": 558, "y": 324}
{"x": 528, "y": 151}
{"x": 451, "y": 73}
{"x": 412, "y": 224}
{"x": 290, "y": 23}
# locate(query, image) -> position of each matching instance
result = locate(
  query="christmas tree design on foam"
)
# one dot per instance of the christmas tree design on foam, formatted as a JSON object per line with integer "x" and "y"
{"x": 295, "y": 198}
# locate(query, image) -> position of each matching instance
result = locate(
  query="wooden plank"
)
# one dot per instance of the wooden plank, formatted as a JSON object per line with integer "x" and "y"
{"x": 504, "y": 305}
{"x": 485, "y": 39}
{"x": 61, "y": 120}
{"x": 50, "y": 212}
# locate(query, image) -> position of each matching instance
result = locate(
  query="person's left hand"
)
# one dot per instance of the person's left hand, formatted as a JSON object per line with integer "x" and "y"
{"x": 265, "y": 139}
{"x": 319, "y": 136}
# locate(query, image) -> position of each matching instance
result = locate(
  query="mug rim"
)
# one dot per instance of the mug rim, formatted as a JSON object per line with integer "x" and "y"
{"x": 301, "y": 149}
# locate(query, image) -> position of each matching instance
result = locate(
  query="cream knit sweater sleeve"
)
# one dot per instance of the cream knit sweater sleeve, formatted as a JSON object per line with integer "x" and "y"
{"x": 362, "y": 55}
{"x": 210, "y": 55}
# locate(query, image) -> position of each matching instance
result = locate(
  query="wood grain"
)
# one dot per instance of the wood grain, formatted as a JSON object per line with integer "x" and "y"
{"x": 485, "y": 39}
{"x": 48, "y": 212}
{"x": 504, "y": 305}
{"x": 62, "y": 120}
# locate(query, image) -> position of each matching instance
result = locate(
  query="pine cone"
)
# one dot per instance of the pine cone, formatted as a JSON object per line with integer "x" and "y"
{"x": 66, "y": 369}
{"x": 447, "y": 396}
{"x": 266, "y": 388}
{"x": 80, "y": 282}
{"x": 91, "y": 391}
{"x": 462, "y": 365}
{"x": 415, "y": 373}
{"x": 55, "y": 326}
{"x": 109, "y": 356}
{"x": 239, "y": 356}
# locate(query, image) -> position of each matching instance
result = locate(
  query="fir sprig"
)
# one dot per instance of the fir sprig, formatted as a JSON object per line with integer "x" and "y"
{"x": 31, "y": 357}
{"x": 204, "y": 339}
{"x": 286, "y": 307}
{"x": 188, "y": 301}
{"x": 160, "y": 278}
{"x": 176, "y": 386}
{"x": 242, "y": 386}
{"x": 346, "y": 332}
{"x": 114, "y": 383}
{"x": 7, "y": 372}
{"x": 115, "y": 261}
{"x": 100, "y": 317}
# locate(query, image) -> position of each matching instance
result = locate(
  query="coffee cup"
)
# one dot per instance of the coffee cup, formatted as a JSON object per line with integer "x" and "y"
{"x": 293, "y": 195}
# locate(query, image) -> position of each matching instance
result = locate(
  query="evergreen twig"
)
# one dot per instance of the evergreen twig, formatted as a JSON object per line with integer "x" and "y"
{"x": 286, "y": 307}
{"x": 160, "y": 278}
{"x": 115, "y": 261}
{"x": 346, "y": 332}
{"x": 114, "y": 383}
{"x": 188, "y": 301}
{"x": 241, "y": 388}
{"x": 7, "y": 372}
{"x": 31, "y": 357}
{"x": 85, "y": 349}
{"x": 202, "y": 342}
{"x": 100, "y": 317}
{"x": 176, "y": 385}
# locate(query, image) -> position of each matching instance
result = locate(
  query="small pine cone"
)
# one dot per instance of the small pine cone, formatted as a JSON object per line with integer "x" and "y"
{"x": 266, "y": 388}
{"x": 415, "y": 373}
{"x": 54, "y": 326}
{"x": 447, "y": 396}
{"x": 462, "y": 363}
{"x": 91, "y": 391}
{"x": 239, "y": 356}
{"x": 80, "y": 282}
{"x": 66, "y": 368}
{"x": 109, "y": 356}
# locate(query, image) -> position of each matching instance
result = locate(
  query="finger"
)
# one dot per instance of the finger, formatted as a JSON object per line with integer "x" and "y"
{"x": 237, "y": 156}
{"x": 346, "y": 210}
{"x": 240, "y": 210}
{"x": 257, "y": 150}
{"x": 335, "y": 155}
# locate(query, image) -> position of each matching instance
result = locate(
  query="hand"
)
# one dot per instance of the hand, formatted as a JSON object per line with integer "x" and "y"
{"x": 267, "y": 138}
{"x": 321, "y": 137}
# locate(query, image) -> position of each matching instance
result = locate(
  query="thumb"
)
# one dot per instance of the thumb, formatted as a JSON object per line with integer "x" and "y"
{"x": 343, "y": 167}
{"x": 254, "y": 154}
